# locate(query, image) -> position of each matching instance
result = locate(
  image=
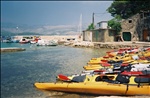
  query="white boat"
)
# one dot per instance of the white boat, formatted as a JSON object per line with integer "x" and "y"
{"x": 34, "y": 41}
{"x": 46, "y": 43}
{"x": 67, "y": 43}
{"x": 15, "y": 39}
{"x": 23, "y": 41}
{"x": 7, "y": 40}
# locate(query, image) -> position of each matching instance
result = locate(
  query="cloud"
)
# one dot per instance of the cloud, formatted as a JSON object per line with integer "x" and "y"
{"x": 47, "y": 30}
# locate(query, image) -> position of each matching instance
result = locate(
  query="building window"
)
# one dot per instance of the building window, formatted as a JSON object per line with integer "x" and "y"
{"x": 130, "y": 21}
{"x": 148, "y": 14}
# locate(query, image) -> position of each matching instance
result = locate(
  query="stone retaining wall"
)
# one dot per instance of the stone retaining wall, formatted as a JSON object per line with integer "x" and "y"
{"x": 116, "y": 45}
{"x": 12, "y": 49}
{"x": 112, "y": 46}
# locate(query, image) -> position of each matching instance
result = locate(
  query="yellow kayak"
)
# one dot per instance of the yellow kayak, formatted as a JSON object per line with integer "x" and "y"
{"x": 116, "y": 58}
{"x": 99, "y": 88}
{"x": 94, "y": 67}
{"x": 111, "y": 84}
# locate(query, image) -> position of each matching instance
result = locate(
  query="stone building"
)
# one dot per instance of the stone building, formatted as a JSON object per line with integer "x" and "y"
{"x": 101, "y": 34}
{"x": 137, "y": 27}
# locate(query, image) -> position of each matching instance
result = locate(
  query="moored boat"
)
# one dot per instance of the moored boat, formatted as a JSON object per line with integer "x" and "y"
{"x": 15, "y": 39}
{"x": 35, "y": 40}
{"x": 46, "y": 43}
{"x": 23, "y": 41}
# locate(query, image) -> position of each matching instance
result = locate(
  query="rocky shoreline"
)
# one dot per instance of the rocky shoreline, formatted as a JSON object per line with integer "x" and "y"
{"x": 112, "y": 45}
{"x": 117, "y": 45}
{"x": 67, "y": 40}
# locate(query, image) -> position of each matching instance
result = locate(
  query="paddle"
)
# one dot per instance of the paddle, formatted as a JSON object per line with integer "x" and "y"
{"x": 106, "y": 57}
{"x": 136, "y": 73}
{"x": 63, "y": 77}
{"x": 124, "y": 64}
{"x": 105, "y": 64}
{"x": 104, "y": 60}
{"x": 132, "y": 73}
{"x": 99, "y": 70}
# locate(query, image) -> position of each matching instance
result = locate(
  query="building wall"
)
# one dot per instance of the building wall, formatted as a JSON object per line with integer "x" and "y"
{"x": 102, "y": 25}
{"x": 87, "y": 36}
{"x": 109, "y": 35}
{"x": 138, "y": 26}
{"x": 129, "y": 25}
{"x": 99, "y": 35}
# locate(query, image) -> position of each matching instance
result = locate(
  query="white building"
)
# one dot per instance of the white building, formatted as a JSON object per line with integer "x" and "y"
{"x": 102, "y": 25}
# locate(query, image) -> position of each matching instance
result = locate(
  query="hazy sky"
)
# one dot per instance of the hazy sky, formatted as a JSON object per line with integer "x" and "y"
{"x": 53, "y": 12}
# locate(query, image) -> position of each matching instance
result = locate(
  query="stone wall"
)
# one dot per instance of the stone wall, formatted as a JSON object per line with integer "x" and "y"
{"x": 136, "y": 25}
{"x": 99, "y": 35}
{"x": 130, "y": 25}
{"x": 109, "y": 35}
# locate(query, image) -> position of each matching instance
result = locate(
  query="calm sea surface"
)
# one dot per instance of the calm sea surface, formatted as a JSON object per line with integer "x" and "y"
{"x": 20, "y": 70}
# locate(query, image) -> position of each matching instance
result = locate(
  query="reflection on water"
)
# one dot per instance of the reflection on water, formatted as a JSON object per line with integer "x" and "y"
{"x": 20, "y": 70}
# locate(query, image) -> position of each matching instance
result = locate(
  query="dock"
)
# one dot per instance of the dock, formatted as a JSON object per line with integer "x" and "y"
{"x": 12, "y": 49}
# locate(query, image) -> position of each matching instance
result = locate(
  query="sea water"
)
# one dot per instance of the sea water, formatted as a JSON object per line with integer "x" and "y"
{"x": 20, "y": 70}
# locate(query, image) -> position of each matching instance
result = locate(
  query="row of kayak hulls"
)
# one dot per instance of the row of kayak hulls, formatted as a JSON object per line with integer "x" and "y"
{"x": 132, "y": 77}
{"x": 100, "y": 88}
{"x": 96, "y": 63}
{"x": 99, "y": 84}
{"x": 136, "y": 66}
{"x": 124, "y": 58}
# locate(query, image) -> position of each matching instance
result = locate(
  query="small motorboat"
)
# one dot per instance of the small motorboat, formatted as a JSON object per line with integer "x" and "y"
{"x": 23, "y": 41}
{"x": 34, "y": 41}
{"x": 46, "y": 43}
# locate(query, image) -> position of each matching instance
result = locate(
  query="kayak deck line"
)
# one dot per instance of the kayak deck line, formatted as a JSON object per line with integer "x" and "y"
{"x": 12, "y": 49}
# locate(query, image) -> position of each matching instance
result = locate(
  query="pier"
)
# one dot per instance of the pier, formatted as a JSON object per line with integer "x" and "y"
{"x": 12, "y": 49}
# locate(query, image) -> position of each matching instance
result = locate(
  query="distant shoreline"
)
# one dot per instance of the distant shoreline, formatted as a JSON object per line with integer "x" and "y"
{"x": 51, "y": 37}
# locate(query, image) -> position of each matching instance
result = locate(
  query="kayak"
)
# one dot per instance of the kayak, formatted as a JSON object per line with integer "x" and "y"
{"x": 100, "y": 66}
{"x": 96, "y": 67}
{"x": 121, "y": 72}
{"x": 134, "y": 54}
{"x": 102, "y": 84}
{"x": 130, "y": 77}
{"x": 98, "y": 88}
{"x": 96, "y": 76}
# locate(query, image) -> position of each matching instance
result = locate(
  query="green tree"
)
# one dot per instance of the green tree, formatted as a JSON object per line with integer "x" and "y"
{"x": 115, "y": 24}
{"x": 91, "y": 27}
{"x": 125, "y": 9}
{"x": 128, "y": 8}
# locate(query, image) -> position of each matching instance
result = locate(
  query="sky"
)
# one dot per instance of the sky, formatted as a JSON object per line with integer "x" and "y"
{"x": 51, "y": 17}
{"x": 53, "y": 12}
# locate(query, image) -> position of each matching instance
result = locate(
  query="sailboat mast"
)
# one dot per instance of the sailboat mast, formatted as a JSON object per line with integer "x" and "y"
{"x": 93, "y": 19}
{"x": 80, "y": 24}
